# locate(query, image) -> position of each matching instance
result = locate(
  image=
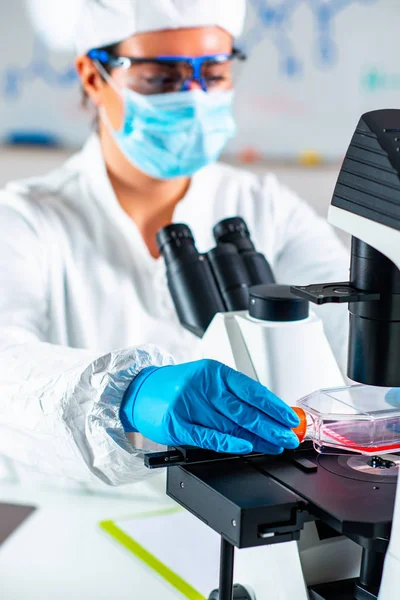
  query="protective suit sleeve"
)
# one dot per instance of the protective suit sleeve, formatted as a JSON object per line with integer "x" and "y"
{"x": 59, "y": 407}
{"x": 308, "y": 251}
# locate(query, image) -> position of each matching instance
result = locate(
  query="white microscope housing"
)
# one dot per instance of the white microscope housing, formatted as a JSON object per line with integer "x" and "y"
{"x": 278, "y": 342}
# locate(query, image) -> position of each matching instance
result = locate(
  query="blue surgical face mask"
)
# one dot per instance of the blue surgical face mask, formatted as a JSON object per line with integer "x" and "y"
{"x": 173, "y": 135}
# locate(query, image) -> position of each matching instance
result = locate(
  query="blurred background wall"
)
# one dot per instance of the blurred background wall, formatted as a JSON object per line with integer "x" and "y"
{"x": 314, "y": 66}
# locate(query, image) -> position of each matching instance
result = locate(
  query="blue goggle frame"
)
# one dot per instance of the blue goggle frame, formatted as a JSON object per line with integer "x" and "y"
{"x": 125, "y": 62}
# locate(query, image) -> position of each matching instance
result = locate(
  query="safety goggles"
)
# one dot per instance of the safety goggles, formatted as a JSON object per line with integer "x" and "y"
{"x": 167, "y": 74}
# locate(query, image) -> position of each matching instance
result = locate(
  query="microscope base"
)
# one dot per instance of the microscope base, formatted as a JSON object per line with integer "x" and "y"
{"x": 349, "y": 589}
{"x": 239, "y": 593}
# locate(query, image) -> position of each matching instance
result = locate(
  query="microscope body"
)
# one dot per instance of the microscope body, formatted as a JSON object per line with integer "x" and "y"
{"x": 366, "y": 204}
{"x": 229, "y": 298}
{"x": 374, "y": 344}
{"x": 374, "y": 350}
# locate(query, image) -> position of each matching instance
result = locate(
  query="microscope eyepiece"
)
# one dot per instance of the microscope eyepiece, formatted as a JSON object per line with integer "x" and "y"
{"x": 190, "y": 279}
{"x": 235, "y": 231}
{"x": 231, "y": 276}
{"x": 176, "y": 237}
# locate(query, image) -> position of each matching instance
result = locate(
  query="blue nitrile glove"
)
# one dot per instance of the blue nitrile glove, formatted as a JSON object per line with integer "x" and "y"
{"x": 208, "y": 405}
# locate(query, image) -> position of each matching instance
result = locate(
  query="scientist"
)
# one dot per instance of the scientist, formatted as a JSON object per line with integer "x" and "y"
{"x": 88, "y": 331}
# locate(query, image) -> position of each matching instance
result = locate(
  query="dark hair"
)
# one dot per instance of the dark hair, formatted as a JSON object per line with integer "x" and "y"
{"x": 112, "y": 49}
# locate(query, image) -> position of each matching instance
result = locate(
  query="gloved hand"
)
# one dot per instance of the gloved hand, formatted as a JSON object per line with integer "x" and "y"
{"x": 208, "y": 405}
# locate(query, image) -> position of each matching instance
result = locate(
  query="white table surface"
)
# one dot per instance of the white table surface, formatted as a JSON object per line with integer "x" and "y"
{"x": 60, "y": 552}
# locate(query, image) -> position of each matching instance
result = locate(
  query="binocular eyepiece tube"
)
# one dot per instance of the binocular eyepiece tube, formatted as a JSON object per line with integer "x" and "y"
{"x": 190, "y": 279}
{"x": 235, "y": 231}
{"x": 202, "y": 285}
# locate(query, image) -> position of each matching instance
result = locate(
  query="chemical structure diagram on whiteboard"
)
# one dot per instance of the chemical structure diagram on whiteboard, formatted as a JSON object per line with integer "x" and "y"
{"x": 274, "y": 20}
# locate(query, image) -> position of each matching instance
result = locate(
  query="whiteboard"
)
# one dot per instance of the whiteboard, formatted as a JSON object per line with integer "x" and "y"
{"x": 39, "y": 89}
{"x": 314, "y": 67}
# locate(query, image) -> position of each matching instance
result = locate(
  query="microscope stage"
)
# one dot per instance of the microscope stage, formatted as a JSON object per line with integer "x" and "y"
{"x": 267, "y": 497}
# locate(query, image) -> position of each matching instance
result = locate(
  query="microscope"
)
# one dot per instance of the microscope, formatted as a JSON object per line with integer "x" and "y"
{"x": 230, "y": 299}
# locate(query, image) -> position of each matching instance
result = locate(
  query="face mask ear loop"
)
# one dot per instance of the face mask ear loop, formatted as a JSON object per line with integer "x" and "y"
{"x": 102, "y": 111}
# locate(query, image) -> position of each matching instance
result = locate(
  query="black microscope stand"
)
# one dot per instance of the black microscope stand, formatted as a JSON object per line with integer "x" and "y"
{"x": 364, "y": 588}
{"x": 227, "y": 590}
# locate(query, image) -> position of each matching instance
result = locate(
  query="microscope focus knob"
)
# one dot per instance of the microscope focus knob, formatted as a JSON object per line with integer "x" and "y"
{"x": 277, "y": 303}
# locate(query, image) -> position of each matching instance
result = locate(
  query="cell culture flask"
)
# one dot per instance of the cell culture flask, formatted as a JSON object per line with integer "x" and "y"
{"x": 360, "y": 418}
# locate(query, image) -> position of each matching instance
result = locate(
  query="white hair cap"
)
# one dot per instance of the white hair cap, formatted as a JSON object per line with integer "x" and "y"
{"x": 105, "y": 22}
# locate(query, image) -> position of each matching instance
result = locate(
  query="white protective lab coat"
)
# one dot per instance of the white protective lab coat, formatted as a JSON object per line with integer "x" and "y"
{"x": 81, "y": 300}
